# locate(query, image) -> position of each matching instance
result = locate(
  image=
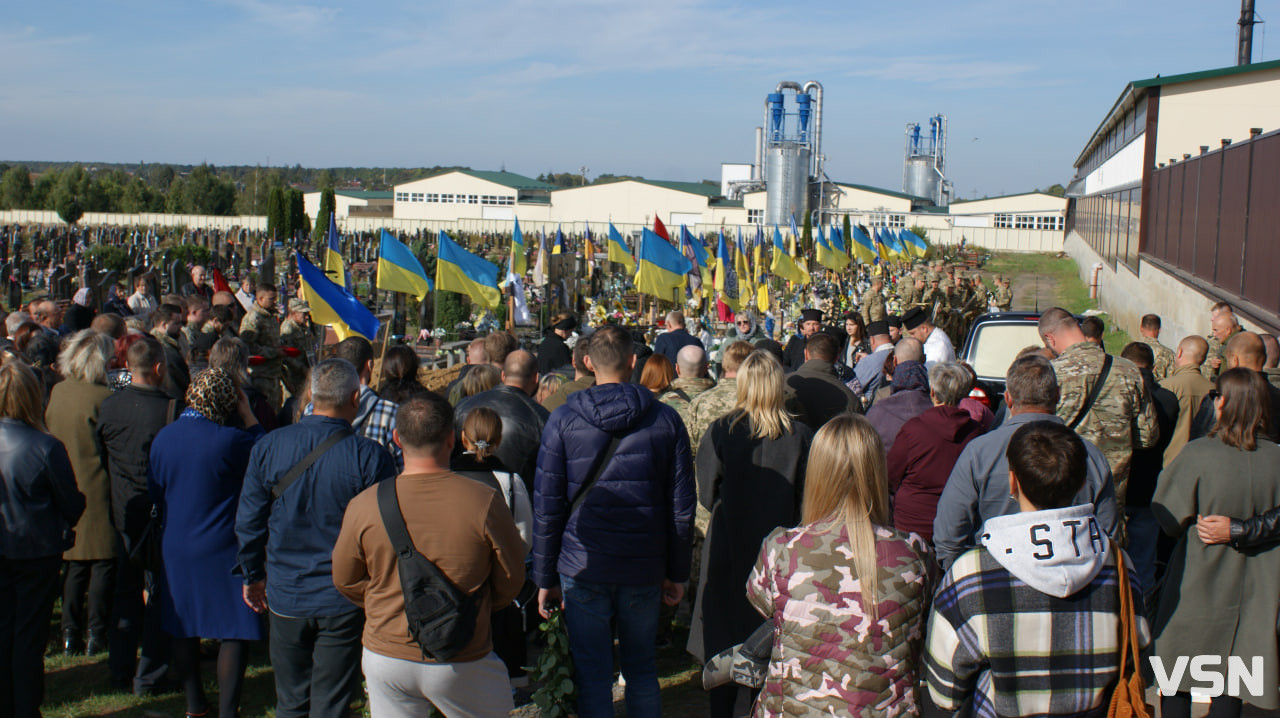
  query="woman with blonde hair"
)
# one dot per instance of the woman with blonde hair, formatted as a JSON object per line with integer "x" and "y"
{"x": 231, "y": 355}
{"x": 751, "y": 466}
{"x": 846, "y": 592}
{"x": 39, "y": 504}
{"x": 72, "y": 417}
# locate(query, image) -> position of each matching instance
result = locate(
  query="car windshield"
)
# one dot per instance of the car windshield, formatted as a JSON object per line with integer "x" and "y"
{"x": 995, "y": 345}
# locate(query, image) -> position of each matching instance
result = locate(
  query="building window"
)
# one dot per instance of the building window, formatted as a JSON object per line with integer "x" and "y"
{"x": 446, "y": 198}
{"x": 886, "y": 220}
{"x": 402, "y": 196}
{"x": 1052, "y": 223}
{"x": 473, "y": 199}
{"x": 433, "y": 197}
{"x": 1004, "y": 221}
{"x": 755, "y": 216}
{"x": 415, "y": 197}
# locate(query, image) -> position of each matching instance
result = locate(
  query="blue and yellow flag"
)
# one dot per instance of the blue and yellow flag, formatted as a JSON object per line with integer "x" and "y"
{"x": 334, "y": 306}
{"x": 519, "y": 262}
{"x": 618, "y": 251}
{"x": 701, "y": 279}
{"x": 914, "y": 243}
{"x": 333, "y": 265}
{"x": 662, "y": 267}
{"x": 827, "y": 256}
{"x": 727, "y": 279}
{"x": 783, "y": 265}
{"x": 837, "y": 240}
{"x": 558, "y": 246}
{"x": 399, "y": 270}
{"x": 458, "y": 270}
{"x": 864, "y": 249}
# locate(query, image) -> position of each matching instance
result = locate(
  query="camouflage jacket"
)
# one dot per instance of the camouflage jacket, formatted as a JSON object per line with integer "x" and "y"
{"x": 907, "y": 291}
{"x": 1121, "y": 420}
{"x": 1163, "y": 366}
{"x": 682, "y": 392}
{"x": 872, "y": 306}
{"x": 829, "y": 657}
{"x": 1217, "y": 350}
{"x": 1003, "y": 298}
{"x": 261, "y": 331}
{"x": 709, "y": 406}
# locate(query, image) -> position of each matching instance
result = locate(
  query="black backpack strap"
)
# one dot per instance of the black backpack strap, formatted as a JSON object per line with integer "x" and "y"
{"x": 485, "y": 477}
{"x": 596, "y": 471}
{"x": 393, "y": 520}
{"x": 308, "y": 460}
{"x": 1094, "y": 393}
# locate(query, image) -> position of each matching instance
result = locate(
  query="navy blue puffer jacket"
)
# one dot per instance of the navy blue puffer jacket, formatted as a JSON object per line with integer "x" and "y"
{"x": 636, "y": 525}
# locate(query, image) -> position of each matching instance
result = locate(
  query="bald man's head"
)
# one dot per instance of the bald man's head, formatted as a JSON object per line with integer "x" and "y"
{"x": 1223, "y": 324}
{"x": 908, "y": 349}
{"x": 1273, "y": 350}
{"x": 1246, "y": 349}
{"x": 520, "y": 370}
{"x": 691, "y": 362}
{"x": 1192, "y": 351}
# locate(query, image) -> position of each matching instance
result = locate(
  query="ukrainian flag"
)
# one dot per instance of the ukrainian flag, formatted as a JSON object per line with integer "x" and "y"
{"x": 333, "y": 265}
{"x": 837, "y": 240}
{"x": 458, "y": 270}
{"x": 558, "y": 247}
{"x": 727, "y": 278}
{"x": 783, "y": 265}
{"x": 699, "y": 253}
{"x": 914, "y": 243}
{"x": 662, "y": 267}
{"x": 399, "y": 270}
{"x": 519, "y": 262}
{"x": 864, "y": 249}
{"x": 618, "y": 251}
{"x": 334, "y": 306}
{"x": 827, "y": 255}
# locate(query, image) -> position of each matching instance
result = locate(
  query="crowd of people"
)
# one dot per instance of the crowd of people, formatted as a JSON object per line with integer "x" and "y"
{"x": 189, "y": 468}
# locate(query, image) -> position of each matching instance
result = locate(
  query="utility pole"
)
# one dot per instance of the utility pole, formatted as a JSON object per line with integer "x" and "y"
{"x": 584, "y": 175}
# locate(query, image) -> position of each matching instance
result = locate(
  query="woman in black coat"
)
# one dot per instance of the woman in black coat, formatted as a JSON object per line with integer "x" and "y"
{"x": 39, "y": 505}
{"x": 751, "y": 465}
{"x": 554, "y": 353}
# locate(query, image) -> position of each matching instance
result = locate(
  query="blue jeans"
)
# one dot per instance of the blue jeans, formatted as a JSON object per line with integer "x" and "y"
{"x": 590, "y": 610}
{"x": 1144, "y": 534}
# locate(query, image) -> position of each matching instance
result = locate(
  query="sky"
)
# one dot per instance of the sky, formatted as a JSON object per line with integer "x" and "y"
{"x": 666, "y": 89}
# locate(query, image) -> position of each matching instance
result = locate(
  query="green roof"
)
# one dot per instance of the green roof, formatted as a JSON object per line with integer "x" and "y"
{"x": 1206, "y": 74}
{"x": 507, "y": 179}
{"x": 535, "y": 199}
{"x": 1002, "y": 196}
{"x": 364, "y": 194}
{"x": 722, "y": 202}
{"x": 881, "y": 190}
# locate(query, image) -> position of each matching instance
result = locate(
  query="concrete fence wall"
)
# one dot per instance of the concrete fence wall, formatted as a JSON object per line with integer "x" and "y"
{"x": 146, "y": 219}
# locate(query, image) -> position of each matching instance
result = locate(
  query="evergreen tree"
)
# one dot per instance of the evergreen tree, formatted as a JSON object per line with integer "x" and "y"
{"x": 277, "y": 219}
{"x": 848, "y": 236}
{"x": 296, "y": 210}
{"x": 806, "y": 234}
{"x": 322, "y": 217}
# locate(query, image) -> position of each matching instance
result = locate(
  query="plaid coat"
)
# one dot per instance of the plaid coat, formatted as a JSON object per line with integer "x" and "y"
{"x": 998, "y": 647}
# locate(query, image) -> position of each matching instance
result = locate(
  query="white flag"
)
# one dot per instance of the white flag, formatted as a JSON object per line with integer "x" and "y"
{"x": 522, "y": 318}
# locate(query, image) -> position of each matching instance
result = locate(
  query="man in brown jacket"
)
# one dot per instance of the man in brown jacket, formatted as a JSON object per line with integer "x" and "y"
{"x": 1190, "y": 386}
{"x": 462, "y": 526}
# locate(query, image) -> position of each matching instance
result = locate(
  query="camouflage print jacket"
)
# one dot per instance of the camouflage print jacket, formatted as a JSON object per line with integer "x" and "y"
{"x": 682, "y": 392}
{"x": 872, "y": 306}
{"x": 1163, "y": 366}
{"x": 1123, "y": 418}
{"x": 709, "y": 406}
{"x": 260, "y": 330}
{"x": 829, "y": 657}
{"x": 1003, "y": 298}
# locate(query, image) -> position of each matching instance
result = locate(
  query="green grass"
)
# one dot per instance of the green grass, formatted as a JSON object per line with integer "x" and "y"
{"x": 1070, "y": 293}
{"x": 79, "y": 687}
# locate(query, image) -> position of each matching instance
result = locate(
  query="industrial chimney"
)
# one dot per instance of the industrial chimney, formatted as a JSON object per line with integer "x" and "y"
{"x": 1245, "y": 50}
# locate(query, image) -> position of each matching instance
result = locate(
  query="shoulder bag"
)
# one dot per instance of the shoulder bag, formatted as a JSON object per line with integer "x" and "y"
{"x": 1129, "y": 698}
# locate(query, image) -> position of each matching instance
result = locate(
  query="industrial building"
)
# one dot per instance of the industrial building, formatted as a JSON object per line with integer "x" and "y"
{"x": 1173, "y": 204}
{"x": 351, "y": 203}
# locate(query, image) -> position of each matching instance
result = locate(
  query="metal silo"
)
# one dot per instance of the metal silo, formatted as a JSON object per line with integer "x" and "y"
{"x": 925, "y": 161}
{"x": 786, "y": 182}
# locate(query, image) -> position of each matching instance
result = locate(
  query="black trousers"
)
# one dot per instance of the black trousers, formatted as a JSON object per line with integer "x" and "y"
{"x": 317, "y": 664}
{"x": 135, "y": 622}
{"x": 28, "y": 588}
{"x": 96, "y": 580}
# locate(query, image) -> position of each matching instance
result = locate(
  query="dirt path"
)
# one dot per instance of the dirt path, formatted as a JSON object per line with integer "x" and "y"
{"x": 1030, "y": 289}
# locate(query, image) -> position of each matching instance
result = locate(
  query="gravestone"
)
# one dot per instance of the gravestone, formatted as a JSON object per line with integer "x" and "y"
{"x": 15, "y": 294}
{"x": 102, "y": 290}
{"x": 179, "y": 277}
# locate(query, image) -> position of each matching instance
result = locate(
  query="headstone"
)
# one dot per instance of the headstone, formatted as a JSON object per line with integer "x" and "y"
{"x": 179, "y": 277}
{"x": 102, "y": 289}
{"x": 15, "y": 293}
{"x": 267, "y": 267}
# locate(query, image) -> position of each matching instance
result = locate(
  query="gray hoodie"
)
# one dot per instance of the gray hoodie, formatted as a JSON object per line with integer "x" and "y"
{"x": 1055, "y": 551}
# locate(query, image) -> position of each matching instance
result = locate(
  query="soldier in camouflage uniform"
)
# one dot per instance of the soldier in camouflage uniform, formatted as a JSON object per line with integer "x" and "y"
{"x": 260, "y": 330}
{"x": 1122, "y": 419}
{"x": 929, "y": 294}
{"x": 1003, "y": 294}
{"x": 1150, "y": 330}
{"x": 1223, "y": 325}
{"x": 907, "y": 289}
{"x": 873, "y": 302}
{"x": 297, "y": 332}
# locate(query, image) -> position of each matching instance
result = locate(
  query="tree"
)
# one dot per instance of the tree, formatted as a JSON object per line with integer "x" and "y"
{"x": 1056, "y": 190}
{"x": 327, "y": 202}
{"x": 297, "y": 212}
{"x": 277, "y": 217}
{"x": 136, "y": 196}
{"x": 15, "y": 188}
{"x": 206, "y": 193}
{"x": 73, "y": 194}
{"x": 848, "y": 236}
{"x": 806, "y": 233}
